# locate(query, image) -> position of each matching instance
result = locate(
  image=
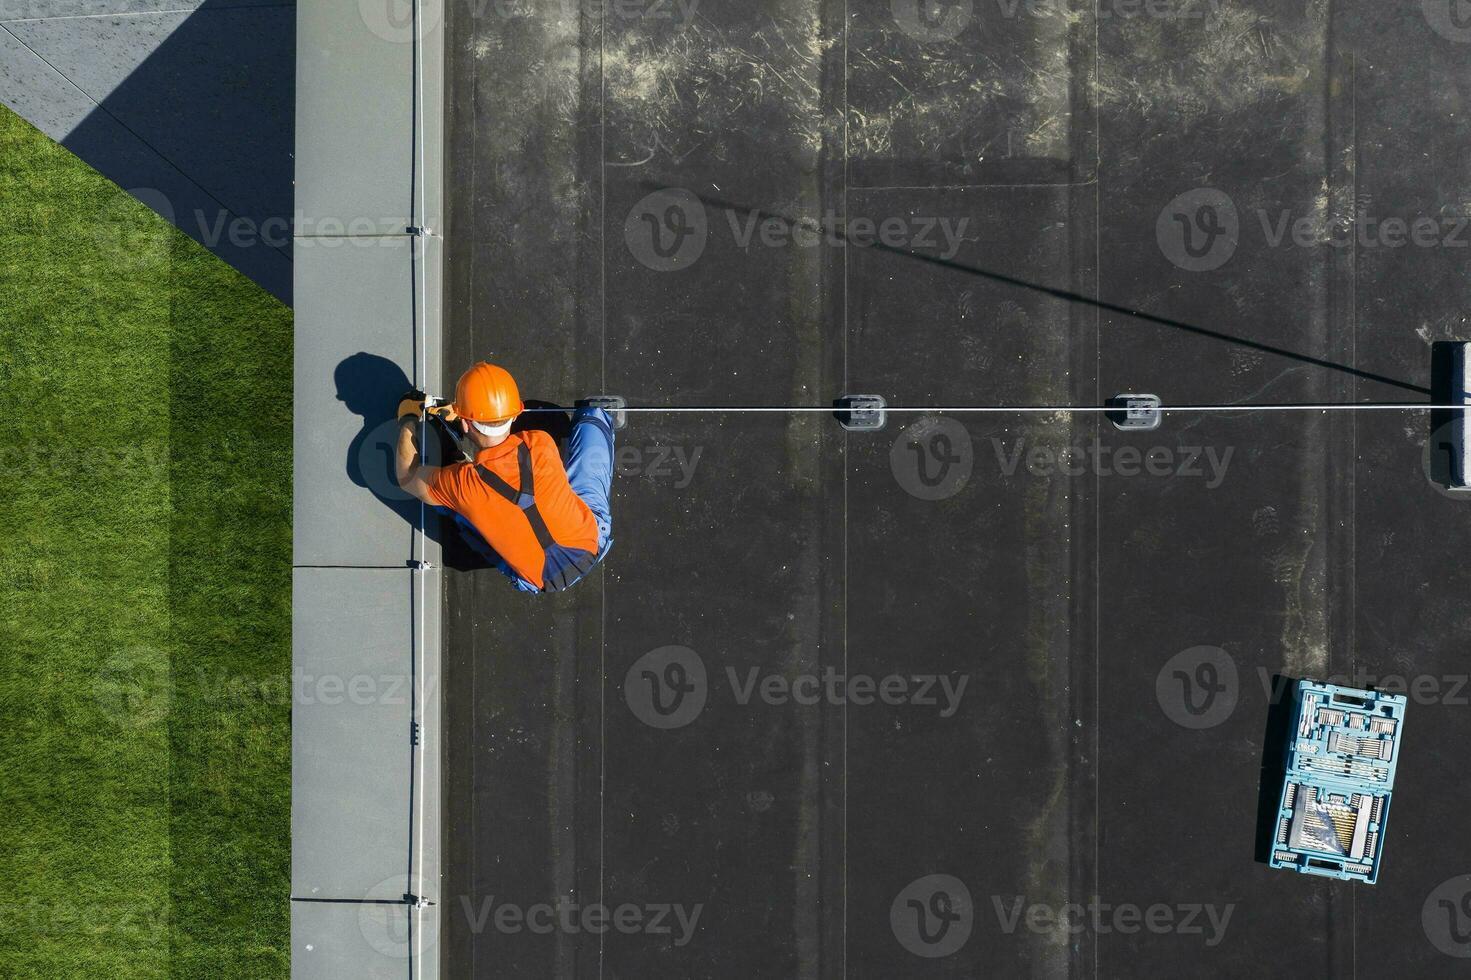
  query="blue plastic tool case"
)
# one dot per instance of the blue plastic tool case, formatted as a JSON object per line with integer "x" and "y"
{"x": 1341, "y": 756}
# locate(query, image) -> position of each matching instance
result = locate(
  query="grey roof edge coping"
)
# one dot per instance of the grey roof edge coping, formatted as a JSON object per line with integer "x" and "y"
{"x": 364, "y": 941}
{"x": 341, "y": 935}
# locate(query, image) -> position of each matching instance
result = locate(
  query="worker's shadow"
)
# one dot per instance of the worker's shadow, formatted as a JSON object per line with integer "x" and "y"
{"x": 368, "y": 385}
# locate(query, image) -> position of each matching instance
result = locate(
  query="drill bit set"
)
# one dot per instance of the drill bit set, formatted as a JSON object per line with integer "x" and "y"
{"x": 1340, "y": 771}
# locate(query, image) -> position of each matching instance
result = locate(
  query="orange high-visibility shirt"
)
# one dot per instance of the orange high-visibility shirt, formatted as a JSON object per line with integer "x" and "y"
{"x": 503, "y": 525}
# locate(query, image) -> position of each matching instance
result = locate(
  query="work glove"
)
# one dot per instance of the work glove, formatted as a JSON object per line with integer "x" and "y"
{"x": 411, "y": 403}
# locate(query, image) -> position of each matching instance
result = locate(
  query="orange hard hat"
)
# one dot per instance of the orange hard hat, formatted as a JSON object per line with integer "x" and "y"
{"x": 487, "y": 393}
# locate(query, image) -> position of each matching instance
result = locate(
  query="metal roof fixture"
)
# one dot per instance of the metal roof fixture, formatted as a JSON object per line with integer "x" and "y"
{"x": 1134, "y": 413}
{"x": 861, "y": 413}
{"x": 614, "y": 405}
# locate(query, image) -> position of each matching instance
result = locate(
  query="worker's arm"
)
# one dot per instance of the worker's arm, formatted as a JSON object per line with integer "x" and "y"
{"x": 413, "y": 476}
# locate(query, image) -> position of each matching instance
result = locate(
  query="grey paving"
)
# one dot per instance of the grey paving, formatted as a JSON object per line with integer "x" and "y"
{"x": 430, "y": 118}
{"x": 166, "y": 101}
{"x": 236, "y": 142}
{"x": 38, "y": 92}
{"x": 13, "y": 10}
{"x": 336, "y": 941}
{"x": 367, "y": 730}
{"x": 352, "y": 704}
{"x": 622, "y": 191}
{"x": 355, "y": 346}
{"x": 355, "y": 159}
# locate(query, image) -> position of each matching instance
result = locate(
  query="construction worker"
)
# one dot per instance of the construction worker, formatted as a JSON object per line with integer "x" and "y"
{"x": 545, "y": 527}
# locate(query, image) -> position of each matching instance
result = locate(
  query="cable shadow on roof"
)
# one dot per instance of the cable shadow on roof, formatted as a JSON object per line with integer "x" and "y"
{"x": 1062, "y": 294}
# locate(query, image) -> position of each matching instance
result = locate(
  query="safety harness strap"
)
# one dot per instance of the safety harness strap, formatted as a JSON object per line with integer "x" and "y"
{"x": 525, "y": 498}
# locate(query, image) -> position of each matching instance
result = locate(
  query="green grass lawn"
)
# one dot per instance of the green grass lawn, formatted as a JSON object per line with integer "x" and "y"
{"x": 145, "y": 570}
